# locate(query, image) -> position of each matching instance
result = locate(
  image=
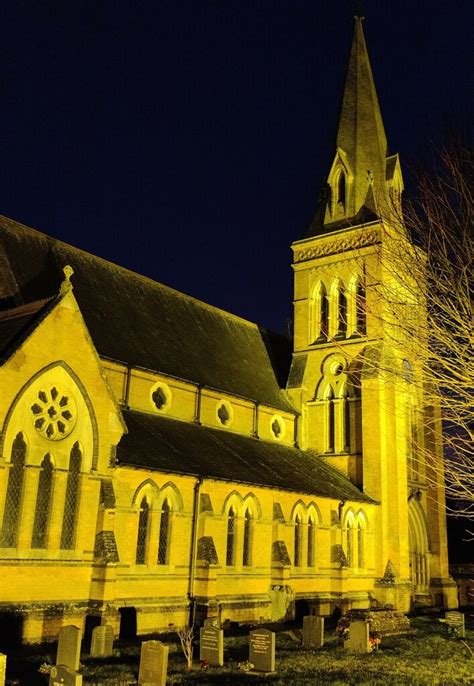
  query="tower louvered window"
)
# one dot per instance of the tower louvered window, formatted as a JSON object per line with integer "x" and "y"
{"x": 230, "y": 549}
{"x": 163, "y": 543}
{"x": 72, "y": 499}
{"x": 360, "y": 310}
{"x": 12, "y": 510}
{"x": 246, "y": 557}
{"x": 140, "y": 557}
{"x": 324, "y": 313}
{"x": 342, "y": 313}
{"x": 43, "y": 504}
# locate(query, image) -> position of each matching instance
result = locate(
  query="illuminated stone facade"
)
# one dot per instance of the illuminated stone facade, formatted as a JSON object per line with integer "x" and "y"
{"x": 159, "y": 458}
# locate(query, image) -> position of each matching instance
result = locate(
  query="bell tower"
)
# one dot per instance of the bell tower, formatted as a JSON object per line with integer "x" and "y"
{"x": 355, "y": 412}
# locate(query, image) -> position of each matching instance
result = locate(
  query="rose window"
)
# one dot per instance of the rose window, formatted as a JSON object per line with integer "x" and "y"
{"x": 54, "y": 413}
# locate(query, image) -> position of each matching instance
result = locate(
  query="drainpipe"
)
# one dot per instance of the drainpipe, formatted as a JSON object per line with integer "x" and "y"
{"x": 197, "y": 409}
{"x": 128, "y": 378}
{"x": 192, "y": 559}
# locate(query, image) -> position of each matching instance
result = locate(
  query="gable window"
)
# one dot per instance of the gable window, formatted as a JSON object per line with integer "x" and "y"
{"x": 12, "y": 510}
{"x": 140, "y": 556}
{"x": 43, "y": 504}
{"x": 163, "y": 543}
{"x": 72, "y": 499}
{"x": 230, "y": 550}
{"x": 341, "y": 190}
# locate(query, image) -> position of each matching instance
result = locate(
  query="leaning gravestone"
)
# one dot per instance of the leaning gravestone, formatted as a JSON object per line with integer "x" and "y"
{"x": 455, "y": 622}
{"x": 262, "y": 650}
{"x": 153, "y": 663}
{"x": 3, "y": 668}
{"x": 313, "y": 631}
{"x": 61, "y": 675}
{"x": 102, "y": 643}
{"x": 358, "y": 640}
{"x": 211, "y": 643}
{"x": 69, "y": 647}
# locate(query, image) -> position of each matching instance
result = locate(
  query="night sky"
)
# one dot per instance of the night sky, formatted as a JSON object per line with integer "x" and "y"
{"x": 187, "y": 140}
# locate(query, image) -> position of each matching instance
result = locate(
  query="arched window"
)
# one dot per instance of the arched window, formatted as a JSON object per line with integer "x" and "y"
{"x": 230, "y": 550}
{"x": 43, "y": 504}
{"x": 298, "y": 540}
{"x": 331, "y": 423}
{"x": 341, "y": 190}
{"x": 247, "y": 548}
{"x": 323, "y": 312}
{"x": 72, "y": 499}
{"x": 311, "y": 534}
{"x": 164, "y": 537}
{"x": 11, "y": 516}
{"x": 360, "y": 546}
{"x": 140, "y": 556}
{"x": 349, "y": 544}
{"x": 360, "y": 309}
{"x": 347, "y": 424}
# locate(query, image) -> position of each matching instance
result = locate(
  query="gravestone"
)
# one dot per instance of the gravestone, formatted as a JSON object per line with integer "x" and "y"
{"x": 102, "y": 643}
{"x": 455, "y": 622}
{"x": 153, "y": 663}
{"x": 313, "y": 631}
{"x": 211, "y": 643}
{"x": 3, "y": 668}
{"x": 262, "y": 650}
{"x": 61, "y": 675}
{"x": 69, "y": 647}
{"x": 358, "y": 640}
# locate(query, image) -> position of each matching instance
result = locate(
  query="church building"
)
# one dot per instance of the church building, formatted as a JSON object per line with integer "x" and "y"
{"x": 162, "y": 460}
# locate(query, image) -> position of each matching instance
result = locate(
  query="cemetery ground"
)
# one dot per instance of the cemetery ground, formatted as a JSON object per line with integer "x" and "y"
{"x": 427, "y": 656}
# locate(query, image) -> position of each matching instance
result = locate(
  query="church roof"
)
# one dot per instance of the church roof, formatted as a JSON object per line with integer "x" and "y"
{"x": 135, "y": 320}
{"x": 169, "y": 445}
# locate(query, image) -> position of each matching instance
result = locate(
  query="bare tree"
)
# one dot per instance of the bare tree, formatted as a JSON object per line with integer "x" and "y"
{"x": 186, "y": 637}
{"x": 422, "y": 298}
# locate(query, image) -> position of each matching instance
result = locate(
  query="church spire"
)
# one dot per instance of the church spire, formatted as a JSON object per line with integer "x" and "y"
{"x": 357, "y": 183}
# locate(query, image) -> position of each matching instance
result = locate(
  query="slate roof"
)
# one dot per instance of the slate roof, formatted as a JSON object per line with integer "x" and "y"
{"x": 168, "y": 445}
{"x": 143, "y": 323}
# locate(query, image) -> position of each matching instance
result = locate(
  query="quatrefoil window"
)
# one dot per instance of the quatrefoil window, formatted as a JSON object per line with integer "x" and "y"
{"x": 277, "y": 426}
{"x": 54, "y": 413}
{"x": 224, "y": 413}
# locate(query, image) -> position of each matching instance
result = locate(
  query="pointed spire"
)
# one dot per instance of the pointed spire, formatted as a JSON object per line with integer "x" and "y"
{"x": 361, "y": 134}
{"x": 357, "y": 182}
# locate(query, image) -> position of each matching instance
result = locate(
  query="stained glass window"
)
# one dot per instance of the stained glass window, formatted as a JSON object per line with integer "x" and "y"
{"x": 163, "y": 543}
{"x": 43, "y": 504}
{"x": 311, "y": 532}
{"x": 12, "y": 511}
{"x": 298, "y": 541}
{"x": 140, "y": 557}
{"x": 246, "y": 556}
{"x": 72, "y": 499}
{"x": 230, "y": 551}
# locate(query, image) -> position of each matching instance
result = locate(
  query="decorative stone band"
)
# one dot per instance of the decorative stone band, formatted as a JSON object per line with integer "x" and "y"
{"x": 351, "y": 242}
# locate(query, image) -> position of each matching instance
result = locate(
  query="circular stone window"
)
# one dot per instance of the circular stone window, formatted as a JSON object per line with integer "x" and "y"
{"x": 224, "y": 413}
{"x": 277, "y": 426}
{"x": 161, "y": 397}
{"x": 54, "y": 412}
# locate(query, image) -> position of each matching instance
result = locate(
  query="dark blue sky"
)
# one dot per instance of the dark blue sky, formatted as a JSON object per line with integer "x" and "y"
{"x": 187, "y": 140}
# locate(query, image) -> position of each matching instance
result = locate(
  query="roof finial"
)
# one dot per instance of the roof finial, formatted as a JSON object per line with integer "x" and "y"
{"x": 66, "y": 285}
{"x": 359, "y": 11}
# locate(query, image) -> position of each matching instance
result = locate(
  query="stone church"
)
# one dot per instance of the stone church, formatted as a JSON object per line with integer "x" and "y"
{"x": 163, "y": 460}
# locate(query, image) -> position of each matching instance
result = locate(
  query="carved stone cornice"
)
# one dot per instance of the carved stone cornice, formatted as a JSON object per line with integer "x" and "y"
{"x": 352, "y": 242}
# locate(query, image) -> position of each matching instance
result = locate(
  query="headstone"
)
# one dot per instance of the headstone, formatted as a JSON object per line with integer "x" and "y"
{"x": 313, "y": 631}
{"x": 358, "y": 640}
{"x": 61, "y": 675}
{"x": 102, "y": 643}
{"x": 262, "y": 650}
{"x": 69, "y": 647}
{"x": 3, "y": 668}
{"x": 153, "y": 664}
{"x": 455, "y": 622}
{"x": 211, "y": 643}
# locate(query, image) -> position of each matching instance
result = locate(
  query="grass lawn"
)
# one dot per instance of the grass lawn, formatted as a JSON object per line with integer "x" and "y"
{"x": 427, "y": 657}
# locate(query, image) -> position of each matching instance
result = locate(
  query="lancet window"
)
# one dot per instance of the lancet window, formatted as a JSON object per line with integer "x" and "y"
{"x": 298, "y": 541}
{"x": 11, "y": 517}
{"x": 140, "y": 556}
{"x": 247, "y": 545}
{"x": 43, "y": 504}
{"x": 164, "y": 536}
{"x": 311, "y": 536}
{"x": 231, "y": 531}
{"x": 72, "y": 499}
